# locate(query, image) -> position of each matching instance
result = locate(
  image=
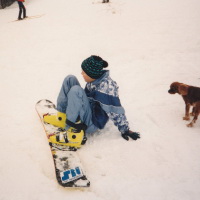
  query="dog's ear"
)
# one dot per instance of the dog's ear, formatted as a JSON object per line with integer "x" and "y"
{"x": 183, "y": 89}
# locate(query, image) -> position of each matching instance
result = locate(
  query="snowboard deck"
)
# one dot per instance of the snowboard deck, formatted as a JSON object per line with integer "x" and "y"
{"x": 68, "y": 167}
{"x": 29, "y": 17}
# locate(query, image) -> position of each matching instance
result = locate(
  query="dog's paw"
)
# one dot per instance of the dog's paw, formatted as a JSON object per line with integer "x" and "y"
{"x": 190, "y": 125}
{"x": 191, "y": 114}
{"x": 186, "y": 118}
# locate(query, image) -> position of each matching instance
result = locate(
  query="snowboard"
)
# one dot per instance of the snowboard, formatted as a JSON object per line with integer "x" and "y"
{"x": 29, "y": 17}
{"x": 68, "y": 167}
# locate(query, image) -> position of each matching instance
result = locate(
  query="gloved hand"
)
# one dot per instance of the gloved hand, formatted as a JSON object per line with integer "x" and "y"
{"x": 131, "y": 134}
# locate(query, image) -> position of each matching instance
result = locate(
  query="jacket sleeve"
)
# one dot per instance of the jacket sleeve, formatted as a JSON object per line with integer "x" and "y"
{"x": 120, "y": 121}
{"x": 111, "y": 104}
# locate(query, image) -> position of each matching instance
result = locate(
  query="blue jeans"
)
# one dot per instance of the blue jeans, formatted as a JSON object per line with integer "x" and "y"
{"x": 73, "y": 101}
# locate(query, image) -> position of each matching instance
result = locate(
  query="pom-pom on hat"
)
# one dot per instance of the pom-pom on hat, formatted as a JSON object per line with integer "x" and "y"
{"x": 93, "y": 66}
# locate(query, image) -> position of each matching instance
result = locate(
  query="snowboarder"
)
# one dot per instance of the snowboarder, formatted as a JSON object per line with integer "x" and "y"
{"x": 95, "y": 104}
{"x": 22, "y": 9}
{"x": 105, "y": 1}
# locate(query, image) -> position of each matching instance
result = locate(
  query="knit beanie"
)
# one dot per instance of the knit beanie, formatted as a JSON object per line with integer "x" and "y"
{"x": 93, "y": 66}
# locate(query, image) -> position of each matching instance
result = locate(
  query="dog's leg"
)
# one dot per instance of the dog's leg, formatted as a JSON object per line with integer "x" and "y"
{"x": 193, "y": 111}
{"x": 187, "y": 109}
{"x": 193, "y": 121}
{"x": 196, "y": 114}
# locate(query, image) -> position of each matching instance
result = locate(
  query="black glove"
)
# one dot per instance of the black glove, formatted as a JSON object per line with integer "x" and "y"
{"x": 131, "y": 134}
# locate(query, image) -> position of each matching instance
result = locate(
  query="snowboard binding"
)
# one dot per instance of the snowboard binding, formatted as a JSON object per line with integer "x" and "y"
{"x": 57, "y": 120}
{"x": 73, "y": 137}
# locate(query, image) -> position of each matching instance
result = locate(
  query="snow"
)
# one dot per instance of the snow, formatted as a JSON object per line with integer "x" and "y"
{"x": 149, "y": 45}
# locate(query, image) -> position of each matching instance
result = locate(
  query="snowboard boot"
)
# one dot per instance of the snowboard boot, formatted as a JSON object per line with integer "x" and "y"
{"x": 58, "y": 119}
{"x": 74, "y": 137}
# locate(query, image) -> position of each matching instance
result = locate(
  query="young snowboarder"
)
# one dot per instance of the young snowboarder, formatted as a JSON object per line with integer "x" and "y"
{"x": 94, "y": 105}
{"x": 22, "y": 9}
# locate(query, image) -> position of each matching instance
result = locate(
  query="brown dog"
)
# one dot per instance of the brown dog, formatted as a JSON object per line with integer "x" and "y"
{"x": 191, "y": 96}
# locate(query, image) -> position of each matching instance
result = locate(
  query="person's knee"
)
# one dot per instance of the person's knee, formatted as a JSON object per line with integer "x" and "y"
{"x": 77, "y": 89}
{"x": 70, "y": 78}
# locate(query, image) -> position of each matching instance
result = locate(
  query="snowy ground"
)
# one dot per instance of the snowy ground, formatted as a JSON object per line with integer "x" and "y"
{"x": 148, "y": 44}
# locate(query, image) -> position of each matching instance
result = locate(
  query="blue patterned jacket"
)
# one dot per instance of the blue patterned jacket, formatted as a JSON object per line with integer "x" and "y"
{"x": 105, "y": 103}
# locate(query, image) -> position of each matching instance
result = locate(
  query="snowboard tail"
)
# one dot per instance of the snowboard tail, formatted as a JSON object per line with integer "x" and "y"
{"x": 68, "y": 166}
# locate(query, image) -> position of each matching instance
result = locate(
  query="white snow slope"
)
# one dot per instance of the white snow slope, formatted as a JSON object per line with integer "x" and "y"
{"x": 149, "y": 45}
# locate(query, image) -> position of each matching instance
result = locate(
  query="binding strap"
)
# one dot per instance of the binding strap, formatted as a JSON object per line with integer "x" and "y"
{"x": 79, "y": 127}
